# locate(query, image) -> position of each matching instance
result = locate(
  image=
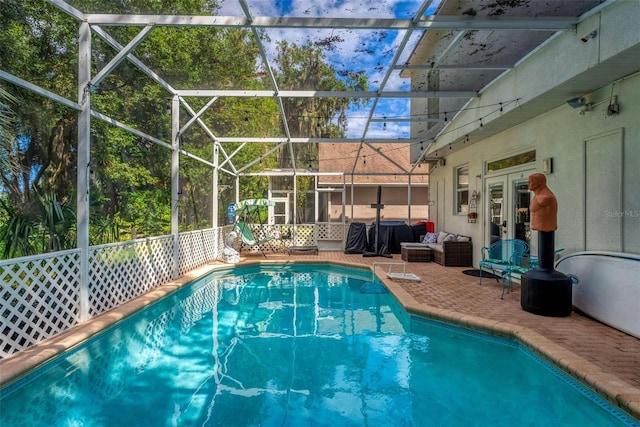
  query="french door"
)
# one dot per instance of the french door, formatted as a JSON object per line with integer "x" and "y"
{"x": 507, "y": 207}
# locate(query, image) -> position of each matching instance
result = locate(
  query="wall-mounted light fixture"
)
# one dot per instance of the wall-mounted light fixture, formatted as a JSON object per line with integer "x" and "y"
{"x": 589, "y": 36}
{"x": 613, "y": 107}
{"x": 547, "y": 165}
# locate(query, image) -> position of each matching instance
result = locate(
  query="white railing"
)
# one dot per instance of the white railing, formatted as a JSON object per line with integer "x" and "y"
{"x": 298, "y": 235}
{"x": 198, "y": 247}
{"x": 40, "y": 295}
{"x": 120, "y": 272}
{"x": 40, "y": 298}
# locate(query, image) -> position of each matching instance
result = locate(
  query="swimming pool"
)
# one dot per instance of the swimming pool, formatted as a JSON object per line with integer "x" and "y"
{"x": 310, "y": 344}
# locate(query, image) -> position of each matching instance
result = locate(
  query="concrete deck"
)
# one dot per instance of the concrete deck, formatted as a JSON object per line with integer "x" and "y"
{"x": 602, "y": 357}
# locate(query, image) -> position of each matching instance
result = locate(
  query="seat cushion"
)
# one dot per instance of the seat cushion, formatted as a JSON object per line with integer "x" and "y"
{"x": 435, "y": 247}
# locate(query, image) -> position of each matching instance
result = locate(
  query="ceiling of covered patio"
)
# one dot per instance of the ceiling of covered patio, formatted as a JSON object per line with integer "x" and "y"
{"x": 468, "y": 43}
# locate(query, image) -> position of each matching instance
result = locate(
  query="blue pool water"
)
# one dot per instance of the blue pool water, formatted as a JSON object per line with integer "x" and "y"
{"x": 297, "y": 345}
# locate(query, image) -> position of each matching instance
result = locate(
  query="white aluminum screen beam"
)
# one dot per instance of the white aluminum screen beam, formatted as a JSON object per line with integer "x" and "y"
{"x": 121, "y": 55}
{"x": 439, "y": 22}
{"x": 452, "y": 44}
{"x": 405, "y": 119}
{"x": 116, "y": 45}
{"x": 175, "y": 183}
{"x": 317, "y": 140}
{"x": 292, "y": 173}
{"x": 274, "y": 83}
{"x": 197, "y": 115}
{"x": 409, "y": 199}
{"x": 307, "y": 173}
{"x": 216, "y": 173}
{"x": 57, "y": 98}
{"x": 83, "y": 165}
{"x": 129, "y": 129}
{"x": 154, "y": 76}
{"x": 227, "y": 171}
{"x": 40, "y": 91}
{"x": 258, "y": 159}
{"x": 202, "y": 124}
{"x": 149, "y": 138}
{"x": 68, "y": 9}
{"x": 474, "y": 67}
{"x": 135, "y": 61}
{"x": 394, "y": 61}
{"x": 371, "y": 184}
{"x": 231, "y": 156}
{"x": 325, "y": 94}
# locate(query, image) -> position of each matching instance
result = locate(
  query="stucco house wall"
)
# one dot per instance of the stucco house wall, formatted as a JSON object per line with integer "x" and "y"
{"x": 595, "y": 155}
{"x": 562, "y": 134}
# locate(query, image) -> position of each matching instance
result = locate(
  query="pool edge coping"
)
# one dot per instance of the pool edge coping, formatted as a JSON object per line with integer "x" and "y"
{"x": 609, "y": 386}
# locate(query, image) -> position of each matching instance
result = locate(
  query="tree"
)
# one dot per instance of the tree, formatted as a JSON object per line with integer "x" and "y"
{"x": 35, "y": 44}
{"x": 130, "y": 177}
{"x": 305, "y": 68}
{"x": 36, "y": 160}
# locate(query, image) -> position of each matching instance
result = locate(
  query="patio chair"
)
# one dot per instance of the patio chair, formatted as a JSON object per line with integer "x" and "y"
{"x": 520, "y": 264}
{"x": 501, "y": 255}
{"x": 249, "y": 239}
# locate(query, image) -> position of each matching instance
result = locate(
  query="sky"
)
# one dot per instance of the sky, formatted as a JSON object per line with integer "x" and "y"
{"x": 371, "y": 51}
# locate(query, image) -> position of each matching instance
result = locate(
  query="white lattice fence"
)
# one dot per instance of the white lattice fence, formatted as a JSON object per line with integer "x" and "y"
{"x": 305, "y": 235}
{"x": 41, "y": 294}
{"x": 40, "y": 298}
{"x": 259, "y": 231}
{"x": 195, "y": 248}
{"x": 122, "y": 271}
{"x": 330, "y": 231}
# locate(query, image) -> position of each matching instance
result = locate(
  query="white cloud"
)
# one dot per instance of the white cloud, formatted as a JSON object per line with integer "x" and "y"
{"x": 368, "y": 51}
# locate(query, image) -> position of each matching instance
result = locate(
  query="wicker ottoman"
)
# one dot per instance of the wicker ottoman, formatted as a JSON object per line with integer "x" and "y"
{"x": 303, "y": 250}
{"x": 415, "y": 252}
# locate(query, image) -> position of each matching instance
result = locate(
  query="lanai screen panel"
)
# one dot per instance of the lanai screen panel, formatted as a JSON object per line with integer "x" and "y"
{"x": 295, "y": 53}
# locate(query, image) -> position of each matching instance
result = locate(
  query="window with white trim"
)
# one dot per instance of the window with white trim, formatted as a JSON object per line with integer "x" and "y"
{"x": 462, "y": 189}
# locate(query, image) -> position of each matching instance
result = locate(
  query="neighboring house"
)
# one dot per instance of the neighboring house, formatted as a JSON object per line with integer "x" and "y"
{"x": 340, "y": 198}
{"x": 569, "y": 108}
{"x": 388, "y": 167}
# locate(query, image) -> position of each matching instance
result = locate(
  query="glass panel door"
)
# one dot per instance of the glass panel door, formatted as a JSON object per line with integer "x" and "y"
{"x": 496, "y": 218}
{"x": 522, "y": 197}
{"x": 507, "y": 207}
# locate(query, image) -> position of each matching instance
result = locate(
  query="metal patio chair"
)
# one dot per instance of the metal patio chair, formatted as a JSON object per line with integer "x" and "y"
{"x": 502, "y": 256}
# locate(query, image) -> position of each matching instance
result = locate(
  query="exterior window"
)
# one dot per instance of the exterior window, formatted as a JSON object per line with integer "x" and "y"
{"x": 462, "y": 189}
{"x": 520, "y": 159}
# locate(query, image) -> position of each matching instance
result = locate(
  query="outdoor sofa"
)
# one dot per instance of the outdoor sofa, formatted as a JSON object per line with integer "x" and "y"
{"x": 450, "y": 249}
